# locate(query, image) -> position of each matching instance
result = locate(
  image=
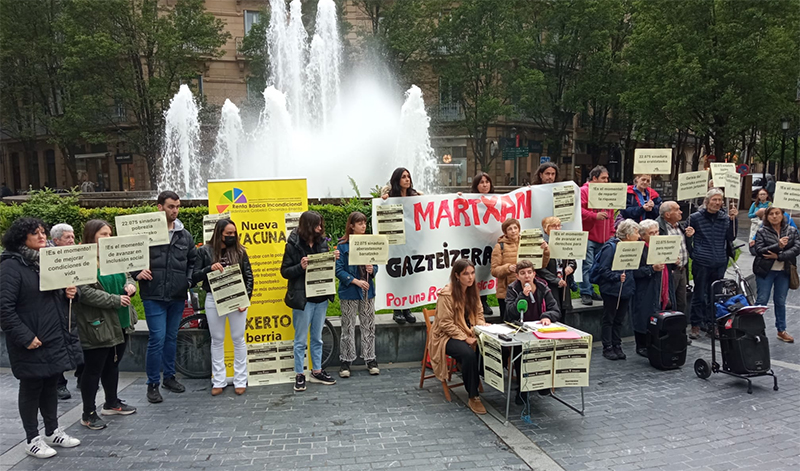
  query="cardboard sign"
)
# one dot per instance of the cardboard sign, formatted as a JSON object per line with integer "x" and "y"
{"x": 153, "y": 225}
{"x": 664, "y": 249}
{"x": 568, "y": 244}
{"x": 124, "y": 254}
{"x": 564, "y": 202}
{"x": 62, "y": 267}
{"x": 652, "y": 161}
{"x": 369, "y": 249}
{"x": 229, "y": 290}
{"x": 209, "y": 221}
{"x": 607, "y": 195}
{"x": 733, "y": 184}
{"x": 692, "y": 185}
{"x": 718, "y": 171}
{"x": 390, "y": 223}
{"x": 787, "y": 196}
{"x": 628, "y": 255}
{"x": 530, "y": 247}
{"x": 320, "y": 274}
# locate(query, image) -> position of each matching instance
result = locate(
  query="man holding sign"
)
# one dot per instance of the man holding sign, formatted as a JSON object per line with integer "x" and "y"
{"x": 40, "y": 345}
{"x": 599, "y": 223}
{"x": 163, "y": 290}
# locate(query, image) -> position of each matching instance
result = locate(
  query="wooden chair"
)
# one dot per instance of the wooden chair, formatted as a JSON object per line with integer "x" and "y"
{"x": 429, "y": 314}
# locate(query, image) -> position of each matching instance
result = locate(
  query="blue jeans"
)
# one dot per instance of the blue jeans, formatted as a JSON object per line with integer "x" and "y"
{"x": 591, "y": 250}
{"x": 701, "y": 299}
{"x": 780, "y": 280}
{"x": 313, "y": 315}
{"x": 163, "y": 320}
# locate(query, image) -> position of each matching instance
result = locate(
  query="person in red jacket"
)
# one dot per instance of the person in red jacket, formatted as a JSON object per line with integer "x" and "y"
{"x": 643, "y": 201}
{"x": 599, "y": 223}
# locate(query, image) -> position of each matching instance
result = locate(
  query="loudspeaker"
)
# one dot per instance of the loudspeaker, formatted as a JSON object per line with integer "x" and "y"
{"x": 666, "y": 340}
{"x": 744, "y": 345}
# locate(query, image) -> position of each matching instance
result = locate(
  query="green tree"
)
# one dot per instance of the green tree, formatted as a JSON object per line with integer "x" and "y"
{"x": 124, "y": 60}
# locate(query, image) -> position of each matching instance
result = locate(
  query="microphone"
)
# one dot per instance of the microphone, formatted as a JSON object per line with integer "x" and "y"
{"x": 522, "y": 306}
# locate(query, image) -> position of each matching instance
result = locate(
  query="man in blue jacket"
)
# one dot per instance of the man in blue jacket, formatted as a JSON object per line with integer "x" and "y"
{"x": 714, "y": 230}
{"x": 163, "y": 290}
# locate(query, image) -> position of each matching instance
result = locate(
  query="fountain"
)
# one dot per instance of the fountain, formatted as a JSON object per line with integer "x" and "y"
{"x": 316, "y": 123}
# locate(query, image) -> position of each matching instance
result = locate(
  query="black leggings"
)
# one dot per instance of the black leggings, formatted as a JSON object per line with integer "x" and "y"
{"x": 468, "y": 358}
{"x": 38, "y": 395}
{"x": 100, "y": 363}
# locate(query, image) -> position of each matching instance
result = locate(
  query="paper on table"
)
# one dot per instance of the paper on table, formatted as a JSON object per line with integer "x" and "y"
{"x": 564, "y": 335}
{"x": 495, "y": 329}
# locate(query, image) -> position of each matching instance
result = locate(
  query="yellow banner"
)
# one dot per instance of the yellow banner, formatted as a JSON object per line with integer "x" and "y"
{"x": 258, "y": 208}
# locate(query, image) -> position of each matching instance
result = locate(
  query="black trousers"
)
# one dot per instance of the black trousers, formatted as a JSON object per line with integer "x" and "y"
{"x": 487, "y": 310}
{"x": 502, "y": 305}
{"x": 100, "y": 364}
{"x": 612, "y": 320}
{"x": 468, "y": 358}
{"x": 62, "y": 380}
{"x": 38, "y": 395}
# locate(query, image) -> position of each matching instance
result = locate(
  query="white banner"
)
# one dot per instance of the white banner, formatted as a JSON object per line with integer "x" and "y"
{"x": 439, "y": 229}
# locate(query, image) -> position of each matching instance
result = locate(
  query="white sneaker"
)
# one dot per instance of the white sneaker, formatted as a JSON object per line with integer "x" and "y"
{"x": 60, "y": 438}
{"x": 39, "y": 449}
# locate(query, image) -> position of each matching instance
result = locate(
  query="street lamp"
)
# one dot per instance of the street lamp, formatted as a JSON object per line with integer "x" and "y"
{"x": 784, "y": 128}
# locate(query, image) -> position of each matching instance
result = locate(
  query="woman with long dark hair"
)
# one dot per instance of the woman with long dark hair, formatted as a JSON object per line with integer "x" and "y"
{"x": 224, "y": 250}
{"x": 357, "y": 297}
{"x": 307, "y": 312}
{"x": 401, "y": 185}
{"x": 104, "y": 307}
{"x": 39, "y": 342}
{"x": 458, "y": 310}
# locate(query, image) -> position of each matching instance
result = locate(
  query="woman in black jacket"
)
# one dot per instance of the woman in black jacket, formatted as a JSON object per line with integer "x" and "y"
{"x": 223, "y": 250}
{"x": 40, "y": 345}
{"x": 307, "y": 239}
{"x": 776, "y": 247}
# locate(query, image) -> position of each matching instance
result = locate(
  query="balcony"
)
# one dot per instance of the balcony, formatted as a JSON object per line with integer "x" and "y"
{"x": 446, "y": 112}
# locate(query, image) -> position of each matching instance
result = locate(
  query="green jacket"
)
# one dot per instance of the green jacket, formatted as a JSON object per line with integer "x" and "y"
{"x": 98, "y": 318}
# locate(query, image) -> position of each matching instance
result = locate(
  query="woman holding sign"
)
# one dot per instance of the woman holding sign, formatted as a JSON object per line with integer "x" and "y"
{"x": 103, "y": 313}
{"x": 651, "y": 288}
{"x": 643, "y": 201}
{"x": 223, "y": 250}
{"x": 307, "y": 312}
{"x": 40, "y": 345}
{"x": 777, "y": 246}
{"x": 357, "y": 297}
{"x": 458, "y": 310}
{"x": 616, "y": 288}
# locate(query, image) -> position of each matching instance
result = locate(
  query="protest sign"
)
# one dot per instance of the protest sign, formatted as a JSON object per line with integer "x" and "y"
{"x": 291, "y": 220}
{"x": 124, "y": 254}
{"x": 368, "y": 249}
{"x": 628, "y": 255}
{"x": 652, "y": 161}
{"x": 492, "y": 362}
{"x": 718, "y": 171}
{"x": 692, "y": 185}
{"x": 389, "y": 221}
{"x": 571, "y": 363}
{"x": 271, "y": 363}
{"x": 564, "y": 202}
{"x": 607, "y": 195}
{"x": 787, "y": 196}
{"x": 209, "y": 221}
{"x": 537, "y": 365}
{"x": 733, "y": 185}
{"x": 153, "y": 225}
{"x": 320, "y": 274}
{"x": 568, "y": 244}
{"x": 663, "y": 249}
{"x": 71, "y": 265}
{"x": 530, "y": 247}
{"x": 228, "y": 289}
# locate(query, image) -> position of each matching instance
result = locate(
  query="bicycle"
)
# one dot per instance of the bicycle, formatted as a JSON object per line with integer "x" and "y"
{"x": 193, "y": 358}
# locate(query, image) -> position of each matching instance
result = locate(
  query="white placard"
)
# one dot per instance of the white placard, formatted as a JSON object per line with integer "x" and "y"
{"x": 664, "y": 249}
{"x": 123, "y": 254}
{"x": 692, "y": 185}
{"x": 209, "y": 221}
{"x": 292, "y": 220}
{"x": 153, "y": 225}
{"x": 628, "y": 255}
{"x": 492, "y": 362}
{"x": 530, "y": 247}
{"x": 369, "y": 249}
{"x": 389, "y": 221}
{"x": 271, "y": 363}
{"x": 71, "y": 265}
{"x": 571, "y": 363}
{"x": 537, "y": 365}
{"x": 733, "y": 185}
{"x": 607, "y": 195}
{"x": 787, "y": 196}
{"x": 652, "y": 161}
{"x": 568, "y": 244}
{"x": 718, "y": 170}
{"x": 228, "y": 289}
{"x": 320, "y": 274}
{"x": 564, "y": 202}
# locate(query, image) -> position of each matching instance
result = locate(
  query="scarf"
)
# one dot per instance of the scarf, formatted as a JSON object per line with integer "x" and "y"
{"x": 30, "y": 256}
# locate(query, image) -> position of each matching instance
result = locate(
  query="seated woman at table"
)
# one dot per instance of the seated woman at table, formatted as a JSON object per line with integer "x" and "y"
{"x": 542, "y": 305}
{"x": 458, "y": 310}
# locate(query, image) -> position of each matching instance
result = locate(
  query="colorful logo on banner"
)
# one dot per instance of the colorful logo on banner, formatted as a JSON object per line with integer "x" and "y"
{"x": 232, "y": 196}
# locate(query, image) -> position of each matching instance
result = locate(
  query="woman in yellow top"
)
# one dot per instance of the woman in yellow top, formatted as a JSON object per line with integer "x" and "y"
{"x": 458, "y": 310}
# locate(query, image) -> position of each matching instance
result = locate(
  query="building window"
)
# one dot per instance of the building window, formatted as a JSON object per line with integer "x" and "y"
{"x": 33, "y": 170}
{"x": 250, "y": 18}
{"x": 50, "y": 162}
